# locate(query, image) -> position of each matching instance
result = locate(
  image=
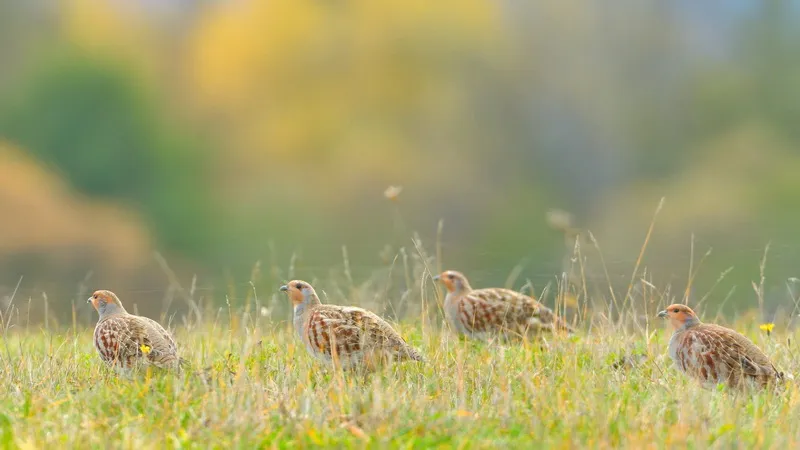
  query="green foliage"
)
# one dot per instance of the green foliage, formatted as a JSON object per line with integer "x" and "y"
{"x": 100, "y": 125}
{"x": 6, "y": 432}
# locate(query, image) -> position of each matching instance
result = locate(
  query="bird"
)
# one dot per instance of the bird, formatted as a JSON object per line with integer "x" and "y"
{"x": 127, "y": 342}
{"x": 492, "y": 312}
{"x": 344, "y": 336}
{"x": 713, "y": 355}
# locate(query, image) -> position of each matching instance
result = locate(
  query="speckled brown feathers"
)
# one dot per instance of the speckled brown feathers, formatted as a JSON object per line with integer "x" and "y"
{"x": 495, "y": 309}
{"x": 129, "y": 341}
{"x": 126, "y": 342}
{"x": 348, "y": 336}
{"x": 352, "y": 334}
{"x": 715, "y": 355}
{"x": 482, "y": 313}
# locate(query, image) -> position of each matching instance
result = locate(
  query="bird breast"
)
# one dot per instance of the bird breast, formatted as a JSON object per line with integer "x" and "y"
{"x": 300, "y": 317}
{"x": 673, "y": 347}
{"x": 451, "y": 312}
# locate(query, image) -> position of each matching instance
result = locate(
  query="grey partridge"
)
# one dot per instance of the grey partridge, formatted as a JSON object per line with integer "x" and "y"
{"x": 485, "y": 313}
{"x": 127, "y": 342}
{"x": 346, "y": 336}
{"x": 714, "y": 355}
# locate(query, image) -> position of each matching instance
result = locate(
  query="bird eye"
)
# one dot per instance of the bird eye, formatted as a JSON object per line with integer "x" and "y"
{"x": 299, "y": 285}
{"x": 451, "y": 276}
{"x": 676, "y": 310}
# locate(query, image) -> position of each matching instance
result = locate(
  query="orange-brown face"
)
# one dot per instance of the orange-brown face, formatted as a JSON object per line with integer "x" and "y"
{"x": 297, "y": 290}
{"x": 678, "y": 314}
{"x": 102, "y": 297}
{"x": 452, "y": 280}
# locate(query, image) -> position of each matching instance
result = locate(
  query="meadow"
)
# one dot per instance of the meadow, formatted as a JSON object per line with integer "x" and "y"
{"x": 253, "y": 385}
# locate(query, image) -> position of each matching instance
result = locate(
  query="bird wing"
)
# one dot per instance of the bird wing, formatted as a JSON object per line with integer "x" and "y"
{"x": 383, "y": 335}
{"x": 718, "y": 354}
{"x": 162, "y": 349}
{"x": 496, "y": 309}
{"x": 736, "y": 351}
{"x": 351, "y": 330}
{"x": 138, "y": 337}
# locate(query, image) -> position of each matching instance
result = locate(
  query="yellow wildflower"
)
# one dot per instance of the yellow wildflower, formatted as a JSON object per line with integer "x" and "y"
{"x": 144, "y": 348}
{"x": 767, "y": 327}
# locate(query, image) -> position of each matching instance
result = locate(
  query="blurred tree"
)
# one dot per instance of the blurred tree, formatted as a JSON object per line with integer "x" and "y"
{"x": 101, "y": 127}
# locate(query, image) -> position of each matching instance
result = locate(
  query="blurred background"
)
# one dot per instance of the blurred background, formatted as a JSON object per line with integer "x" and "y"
{"x": 242, "y": 140}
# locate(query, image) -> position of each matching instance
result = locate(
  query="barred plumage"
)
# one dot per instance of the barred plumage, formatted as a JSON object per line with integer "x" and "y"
{"x": 349, "y": 336}
{"x": 483, "y": 313}
{"x": 715, "y": 355}
{"x": 127, "y": 342}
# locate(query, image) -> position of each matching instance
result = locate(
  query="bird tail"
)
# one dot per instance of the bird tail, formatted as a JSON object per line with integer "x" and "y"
{"x": 414, "y": 354}
{"x": 563, "y": 326}
{"x": 184, "y": 365}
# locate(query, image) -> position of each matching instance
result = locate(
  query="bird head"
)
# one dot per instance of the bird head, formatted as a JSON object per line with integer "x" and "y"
{"x": 105, "y": 302}
{"x": 679, "y": 316}
{"x": 298, "y": 291}
{"x": 455, "y": 282}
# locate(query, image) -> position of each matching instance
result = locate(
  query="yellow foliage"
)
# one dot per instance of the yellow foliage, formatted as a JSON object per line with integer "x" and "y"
{"x": 339, "y": 89}
{"x": 242, "y": 47}
{"x": 236, "y": 38}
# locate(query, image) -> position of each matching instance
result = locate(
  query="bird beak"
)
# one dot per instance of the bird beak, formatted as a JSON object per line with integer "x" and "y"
{"x": 284, "y": 288}
{"x": 662, "y": 314}
{"x": 89, "y": 300}
{"x": 437, "y": 277}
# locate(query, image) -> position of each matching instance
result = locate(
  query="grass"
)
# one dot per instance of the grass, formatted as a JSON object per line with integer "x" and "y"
{"x": 254, "y": 386}
{"x": 259, "y": 388}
